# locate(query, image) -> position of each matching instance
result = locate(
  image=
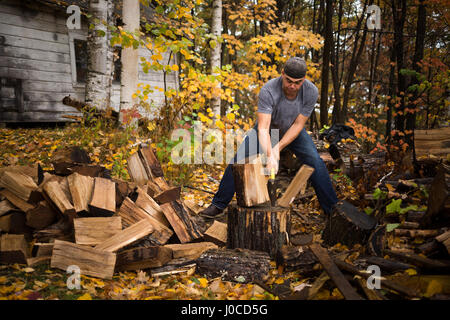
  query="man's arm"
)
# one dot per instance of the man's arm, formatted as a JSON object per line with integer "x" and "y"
{"x": 290, "y": 135}
{"x": 263, "y": 132}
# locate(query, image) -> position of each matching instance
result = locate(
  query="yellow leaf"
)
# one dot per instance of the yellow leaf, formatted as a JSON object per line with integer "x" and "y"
{"x": 203, "y": 282}
{"x": 279, "y": 281}
{"x": 411, "y": 272}
{"x": 434, "y": 287}
{"x": 85, "y": 296}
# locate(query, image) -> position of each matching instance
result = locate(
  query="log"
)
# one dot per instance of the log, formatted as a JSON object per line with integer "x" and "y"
{"x": 136, "y": 169}
{"x": 91, "y": 261}
{"x": 389, "y": 265}
{"x": 132, "y": 214}
{"x": 150, "y": 162}
{"x": 21, "y": 185}
{"x": 445, "y": 240}
{"x": 335, "y": 274}
{"x": 103, "y": 202}
{"x": 183, "y": 225}
{"x": 297, "y": 186}
{"x": 217, "y": 233}
{"x": 146, "y": 202}
{"x": 54, "y": 191}
{"x": 190, "y": 251}
{"x": 14, "y": 249}
{"x": 31, "y": 171}
{"x": 126, "y": 236}
{"x": 297, "y": 258}
{"x": 143, "y": 258}
{"x": 41, "y": 217}
{"x": 94, "y": 230}
{"x": 14, "y": 222}
{"x": 348, "y": 226}
{"x": 175, "y": 266}
{"x": 425, "y": 264}
{"x": 262, "y": 228}
{"x": 385, "y": 283}
{"x": 16, "y": 201}
{"x": 6, "y": 206}
{"x": 81, "y": 188}
{"x": 250, "y": 184}
{"x": 377, "y": 241}
{"x": 168, "y": 195}
{"x": 416, "y": 233}
{"x": 434, "y": 141}
{"x": 239, "y": 265}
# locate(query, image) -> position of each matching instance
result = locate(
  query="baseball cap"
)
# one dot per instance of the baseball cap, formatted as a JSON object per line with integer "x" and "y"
{"x": 295, "y": 67}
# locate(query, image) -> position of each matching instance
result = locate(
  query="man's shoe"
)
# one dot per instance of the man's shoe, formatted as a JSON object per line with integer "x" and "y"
{"x": 211, "y": 212}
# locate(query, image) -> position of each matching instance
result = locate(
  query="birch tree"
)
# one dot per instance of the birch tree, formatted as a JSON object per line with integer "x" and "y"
{"x": 100, "y": 55}
{"x": 216, "y": 30}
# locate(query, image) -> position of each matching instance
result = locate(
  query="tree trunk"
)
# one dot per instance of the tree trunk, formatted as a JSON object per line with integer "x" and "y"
{"x": 326, "y": 63}
{"x": 100, "y": 55}
{"x": 130, "y": 58}
{"x": 216, "y": 30}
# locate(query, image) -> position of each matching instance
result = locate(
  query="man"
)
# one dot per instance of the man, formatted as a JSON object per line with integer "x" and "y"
{"x": 284, "y": 105}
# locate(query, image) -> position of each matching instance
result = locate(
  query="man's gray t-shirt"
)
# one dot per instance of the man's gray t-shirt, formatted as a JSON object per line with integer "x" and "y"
{"x": 271, "y": 100}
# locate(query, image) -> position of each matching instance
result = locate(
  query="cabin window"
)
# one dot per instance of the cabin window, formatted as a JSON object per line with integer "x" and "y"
{"x": 80, "y": 47}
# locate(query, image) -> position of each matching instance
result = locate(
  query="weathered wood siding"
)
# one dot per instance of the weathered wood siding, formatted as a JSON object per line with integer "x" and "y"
{"x": 35, "y": 52}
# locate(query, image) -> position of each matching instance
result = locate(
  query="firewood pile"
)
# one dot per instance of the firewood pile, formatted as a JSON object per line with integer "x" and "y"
{"x": 77, "y": 215}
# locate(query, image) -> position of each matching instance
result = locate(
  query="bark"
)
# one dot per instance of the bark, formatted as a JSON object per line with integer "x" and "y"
{"x": 216, "y": 30}
{"x": 326, "y": 63}
{"x": 100, "y": 55}
{"x": 129, "y": 58}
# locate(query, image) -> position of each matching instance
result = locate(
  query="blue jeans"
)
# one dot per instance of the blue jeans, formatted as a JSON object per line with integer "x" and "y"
{"x": 303, "y": 147}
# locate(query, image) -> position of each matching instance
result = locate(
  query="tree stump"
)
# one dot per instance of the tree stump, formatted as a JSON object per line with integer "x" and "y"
{"x": 262, "y": 228}
{"x": 348, "y": 226}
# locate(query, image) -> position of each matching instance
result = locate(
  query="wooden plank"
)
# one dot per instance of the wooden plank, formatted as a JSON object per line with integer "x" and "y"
{"x": 91, "y": 261}
{"x": 297, "y": 185}
{"x": 30, "y": 33}
{"x": 190, "y": 250}
{"x": 143, "y": 257}
{"x": 217, "y": 233}
{"x": 13, "y": 249}
{"x": 21, "y": 73}
{"x": 44, "y": 14}
{"x": 37, "y": 65}
{"x": 335, "y": 274}
{"x": 94, "y": 230}
{"x": 37, "y": 24}
{"x": 126, "y": 236}
{"x": 103, "y": 200}
{"x": 81, "y": 188}
{"x": 23, "y": 42}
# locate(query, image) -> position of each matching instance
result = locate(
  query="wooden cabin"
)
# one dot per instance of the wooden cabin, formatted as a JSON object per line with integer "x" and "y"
{"x": 42, "y": 61}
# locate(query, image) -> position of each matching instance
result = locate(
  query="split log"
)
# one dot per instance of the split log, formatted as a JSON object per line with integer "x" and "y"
{"x": 20, "y": 185}
{"x": 126, "y": 236}
{"x": 61, "y": 230}
{"x": 297, "y": 185}
{"x": 31, "y": 171}
{"x": 54, "y": 191}
{"x": 92, "y": 171}
{"x": 183, "y": 225}
{"x": 190, "y": 251}
{"x": 239, "y": 265}
{"x": 43, "y": 249}
{"x": 146, "y": 202}
{"x": 335, "y": 274}
{"x": 250, "y": 184}
{"x": 91, "y": 261}
{"x": 123, "y": 190}
{"x": 294, "y": 258}
{"x": 175, "y": 266}
{"x": 92, "y": 231}
{"x": 14, "y": 249}
{"x": 81, "y": 188}
{"x": 132, "y": 214}
{"x": 217, "y": 233}
{"x": 192, "y": 206}
{"x": 348, "y": 226}
{"x": 168, "y": 195}
{"x": 41, "y": 217}
{"x": 434, "y": 141}
{"x": 143, "y": 258}
{"x": 15, "y": 222}
{"x": 103, "y": 202}
{"x": 150, "y": 161}
{"x": 445, "y": 240}
{"x": 259, "y": 228}
{"x": 16, "y": 201}
{"x": 6, "y": 206}
{"x": 36, "y": 261}
{"x": 136, "y": 169}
